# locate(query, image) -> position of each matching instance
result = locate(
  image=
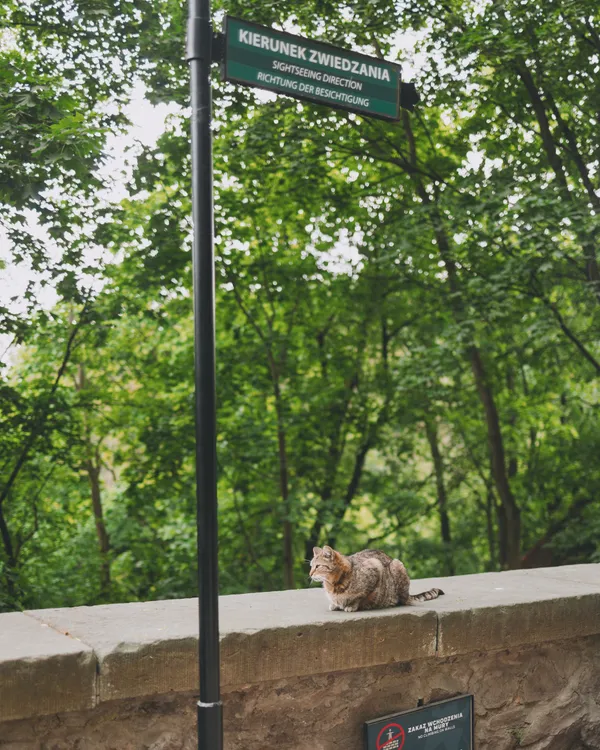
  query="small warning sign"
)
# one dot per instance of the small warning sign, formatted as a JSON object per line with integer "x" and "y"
{"x": 446, "y": 725}
{"x": 391, "y": 737}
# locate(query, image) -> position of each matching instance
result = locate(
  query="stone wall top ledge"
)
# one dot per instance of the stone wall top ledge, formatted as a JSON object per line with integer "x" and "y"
{"x": 42, "y": 671}
{"x": 122, "y": 651}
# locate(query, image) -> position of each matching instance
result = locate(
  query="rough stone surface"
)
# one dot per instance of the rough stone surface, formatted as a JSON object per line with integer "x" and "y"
{"x": 150, "y": 648}
{"x": 526, "y": 643}
{"x": 303, "y": 637}
{"x": 142, "y": 648}
{"x": 32, "y": 657}
{"x": 506, "y": 610}
{"x": 579, "y": 573}
{"x": 541, "y": 698}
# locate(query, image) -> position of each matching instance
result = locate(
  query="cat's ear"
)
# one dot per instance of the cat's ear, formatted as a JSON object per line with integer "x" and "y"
{"x": 327, "y": 552}
{"x": 317, "y": 551}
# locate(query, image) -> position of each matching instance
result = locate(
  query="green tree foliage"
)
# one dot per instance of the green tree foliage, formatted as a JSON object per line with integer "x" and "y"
{"x": 407, "y": 313}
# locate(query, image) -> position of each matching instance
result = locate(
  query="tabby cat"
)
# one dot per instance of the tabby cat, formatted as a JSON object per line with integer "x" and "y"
{"x": 369, "y": 579}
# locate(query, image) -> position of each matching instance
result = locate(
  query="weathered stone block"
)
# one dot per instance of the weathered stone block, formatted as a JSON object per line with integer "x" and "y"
{"x": 494, "y": 611}
{"x": 151, "y": 648}
{"x": 143, "y": 649}
{"x": 42, "y": 671}
{"x": 288, "y": 634}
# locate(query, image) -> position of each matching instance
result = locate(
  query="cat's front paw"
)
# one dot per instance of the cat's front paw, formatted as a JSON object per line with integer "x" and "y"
{"x": 334, "y": 608}
{"x": 351, "y": 608}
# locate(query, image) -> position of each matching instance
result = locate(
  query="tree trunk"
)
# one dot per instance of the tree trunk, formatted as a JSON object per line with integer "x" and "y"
{"x": 438, "y": 465}
{"x": 10, "y": 563}
{"x": 511, "y": 513}
{"x": 571, "y": 335}
{"x": 336, "y": 448}
{"x": 540, "y": 555}
{"x": 486, "y": 395}
{"x": 284, "y": 490}
{"x": 38, "y": 423}
{"x": 544, "y": 124}
{"x": 489, "y": 507}
{"x": 273, "y": 366}
{"x": 288, "y": 529}
{"x": 313, "y": 538}
{"x": 592, "y": 269}
{"x": 39, "y": 419}
{"x": 93, "y": 472}
{"x": 351, "y": 489}
{"x": 513, "y": 461}
{"x": 92, "y": 468}
{"x": 502, "y": 536}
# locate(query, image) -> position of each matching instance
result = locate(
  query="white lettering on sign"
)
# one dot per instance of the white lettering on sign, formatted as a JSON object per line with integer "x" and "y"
{"x": 316, "y": 75}
{"x": 254, "y": 39}
{"x": 307, "y": 88}
{"x": 342, "y": 96}
{"x": 277, "y": 81}
{"x": 352, "y": 66}
{"x": 328, "y": 60}
{"x": 435, "y": 725}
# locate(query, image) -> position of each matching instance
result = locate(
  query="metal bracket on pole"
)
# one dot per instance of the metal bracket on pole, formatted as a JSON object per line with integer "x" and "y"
{"x": 408, "y": 96}
{"x": 218, "y": 47}
{"x": 203, "y": 42}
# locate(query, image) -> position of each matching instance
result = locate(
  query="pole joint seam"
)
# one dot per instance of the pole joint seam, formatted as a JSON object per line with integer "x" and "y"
{"x": 199, "y": 39}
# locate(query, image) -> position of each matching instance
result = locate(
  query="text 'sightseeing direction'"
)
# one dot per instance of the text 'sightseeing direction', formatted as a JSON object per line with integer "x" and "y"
{"x": 288, "y": 64}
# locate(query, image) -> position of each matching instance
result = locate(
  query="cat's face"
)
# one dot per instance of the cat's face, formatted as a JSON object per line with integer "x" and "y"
{"x": 323, "y": 565}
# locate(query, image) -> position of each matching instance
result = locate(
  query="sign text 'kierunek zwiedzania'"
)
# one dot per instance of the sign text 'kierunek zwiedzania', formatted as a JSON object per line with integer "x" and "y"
{"x": 288, "y": 64}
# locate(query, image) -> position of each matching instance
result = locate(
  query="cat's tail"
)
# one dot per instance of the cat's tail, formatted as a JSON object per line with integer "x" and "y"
{"x": 425, "y": 596}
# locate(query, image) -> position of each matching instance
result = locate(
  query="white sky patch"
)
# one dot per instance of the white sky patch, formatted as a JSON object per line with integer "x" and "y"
{"x": 344, "y": 258}
{"x": 148, "y": 122}
{"x": 406, "y": 49}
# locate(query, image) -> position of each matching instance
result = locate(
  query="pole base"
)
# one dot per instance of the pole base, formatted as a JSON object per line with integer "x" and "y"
{"x": 210, "y": 726}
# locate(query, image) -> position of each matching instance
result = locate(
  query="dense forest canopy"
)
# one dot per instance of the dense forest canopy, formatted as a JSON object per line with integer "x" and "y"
{"x": 407, "y": 313}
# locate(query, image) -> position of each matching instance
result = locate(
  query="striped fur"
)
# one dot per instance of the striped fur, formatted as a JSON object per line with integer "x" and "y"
{"x": 426, "y": 596}
{"x": 368, "y": 579}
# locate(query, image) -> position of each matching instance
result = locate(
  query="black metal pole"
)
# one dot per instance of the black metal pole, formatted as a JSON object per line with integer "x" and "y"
{"x": 210, "y": 715}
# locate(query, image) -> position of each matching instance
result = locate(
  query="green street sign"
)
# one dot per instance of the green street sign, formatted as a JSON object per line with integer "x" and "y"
{"x": 287, "y": 64}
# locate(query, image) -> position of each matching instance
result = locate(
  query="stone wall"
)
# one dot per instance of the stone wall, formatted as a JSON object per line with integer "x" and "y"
{"x": 526, "y": 644}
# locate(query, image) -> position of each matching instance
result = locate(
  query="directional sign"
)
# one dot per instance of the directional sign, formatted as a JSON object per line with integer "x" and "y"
{"x": 447, "y": 725}
{"x": 305, "y": 69}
